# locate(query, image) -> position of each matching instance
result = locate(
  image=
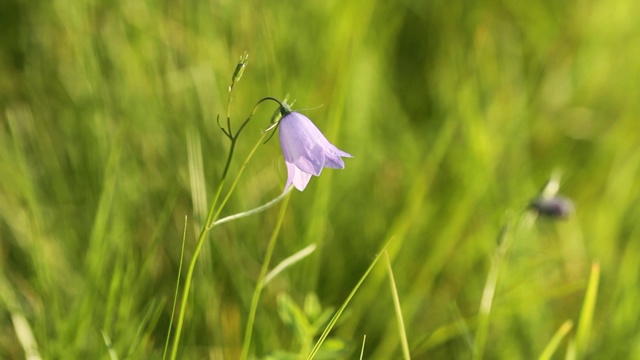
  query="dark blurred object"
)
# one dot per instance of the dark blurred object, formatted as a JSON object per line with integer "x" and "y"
{"x": 549, "y": 203}
{"x": 557, "y": 207}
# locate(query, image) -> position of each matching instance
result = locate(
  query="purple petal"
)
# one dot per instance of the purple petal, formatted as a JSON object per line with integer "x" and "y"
{"x": 333, "y": 158}
{"x": 295, "y": 176}
{"x": 301, "y": 143}
{"x": 334, "y": 162}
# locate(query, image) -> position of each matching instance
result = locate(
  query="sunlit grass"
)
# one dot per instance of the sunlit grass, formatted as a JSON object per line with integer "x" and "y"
{"x": 456, "y": 113}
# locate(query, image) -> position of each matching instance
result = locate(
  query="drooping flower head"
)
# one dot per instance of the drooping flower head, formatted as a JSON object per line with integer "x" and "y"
{"x": 306, "y": 150}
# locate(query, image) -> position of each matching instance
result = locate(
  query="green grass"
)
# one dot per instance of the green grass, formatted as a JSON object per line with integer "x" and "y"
{"x": 457, "y": 114}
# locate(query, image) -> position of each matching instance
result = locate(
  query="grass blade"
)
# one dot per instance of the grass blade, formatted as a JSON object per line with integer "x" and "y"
{"x": 571, "y": 350}
{"x": 259, "y": 284}
{"x": 486, "y": 303}
{"x": 398, "y": 309}
{"x": 335, "y": 317}
{"x": 289, "y": 262}
{"x": 588, "y": 308}
{"x": 175, "y": 297}
{"x": 109, "y": 344}
{"x": 551, "y": 348}
{"x": 25, "y": 336}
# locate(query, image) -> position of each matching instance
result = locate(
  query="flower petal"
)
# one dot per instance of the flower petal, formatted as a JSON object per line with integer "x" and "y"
{"x": 299, "y": 141}
{"x": 295, "y": 176}
{"x": 334, "y": 162}
{"x": 333, "y": 158}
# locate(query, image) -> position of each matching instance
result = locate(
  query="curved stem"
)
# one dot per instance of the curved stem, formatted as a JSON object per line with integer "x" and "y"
{"x": 266, "y": 98}
{"x": 235, "y": 181}
{"x": 235, "y": 136}
{"x": 252, "y": 211}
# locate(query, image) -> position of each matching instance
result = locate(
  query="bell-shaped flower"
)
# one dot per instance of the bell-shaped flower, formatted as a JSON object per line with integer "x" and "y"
{"x": 306, "y": 150}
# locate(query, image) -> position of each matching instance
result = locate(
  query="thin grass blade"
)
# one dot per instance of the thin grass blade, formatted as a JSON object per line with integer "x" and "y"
{"x": 291, "y": 260}
{"x": 551, "y": 348}
{"x": 364, "y": 340}
{"x": 176, "y": 294}
{"x": 398, "y": 309}
{"x": 335, "y": 318}
{"x": 588, "y": 308}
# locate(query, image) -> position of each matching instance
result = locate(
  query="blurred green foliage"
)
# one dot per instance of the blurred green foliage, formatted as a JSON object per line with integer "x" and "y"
{"x": 457, "y": 113}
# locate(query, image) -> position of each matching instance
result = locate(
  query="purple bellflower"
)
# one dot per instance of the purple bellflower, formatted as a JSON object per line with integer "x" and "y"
{"x": 306, "y": 151}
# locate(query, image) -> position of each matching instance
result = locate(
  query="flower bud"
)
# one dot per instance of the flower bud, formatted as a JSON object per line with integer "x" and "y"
{"x": 237, "y": 74}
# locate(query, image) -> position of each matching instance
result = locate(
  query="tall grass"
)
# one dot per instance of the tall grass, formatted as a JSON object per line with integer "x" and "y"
{"x": 456, "y": 113}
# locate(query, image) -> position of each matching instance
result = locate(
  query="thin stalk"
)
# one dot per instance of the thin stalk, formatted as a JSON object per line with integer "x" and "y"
{"x": 488, "y": 293}
{"x": 185, "y": 292}
{"x": 235, "y": 182}
{"x": 214, "y": 213}
{"x": 291, "y": 260}
{"x": 175, "y": 297}
{"x": 485, "y": 306}
{"x": 252, "y": 211}
{"x": 259, "y": 282}
{"x": 586, "y": 314}
{"x": 551, "y": 348}
{"x": 505, "y": 239}
{"x": 364, "y": 340}
{"x": 339, "y": 312}
{"x": 398, "y": 309}
{"x": 215, "y": 210}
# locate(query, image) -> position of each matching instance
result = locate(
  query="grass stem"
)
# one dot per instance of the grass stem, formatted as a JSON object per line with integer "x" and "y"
{"x": 398, "y": 309}
{"x": 259, "y": 283}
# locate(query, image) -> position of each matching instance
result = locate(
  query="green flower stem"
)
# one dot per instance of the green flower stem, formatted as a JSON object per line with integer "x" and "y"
{"x": 185, "y": 292}
{"x": 214, "y": 213}
{"x": 215, "y": 210}
{"x": 259, "y": 282}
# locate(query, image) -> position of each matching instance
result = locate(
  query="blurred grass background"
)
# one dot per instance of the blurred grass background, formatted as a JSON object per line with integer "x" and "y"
{"x": 457, "y": 113}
